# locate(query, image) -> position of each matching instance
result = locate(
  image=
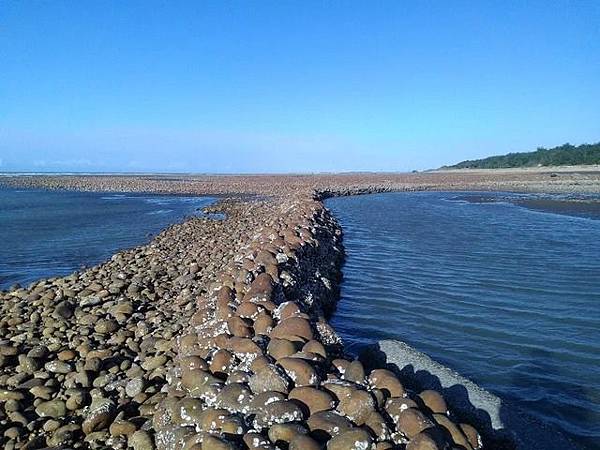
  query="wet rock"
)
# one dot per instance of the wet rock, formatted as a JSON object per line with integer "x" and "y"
{"x": 340, "y": 389}
{"x": 255, "y": 441}
{"x": 104, "y": 326}
{"x": 28, "y": 365}
{"x": 355, "y": 372}
{"x": 280, "y": 348}
{"x": 453, "y": 430}
{"x": 325, "y": 424}
{"x": 314, "y": 347}
{"x": 386, "y": 381}
{"x": 281, "y": 411}
{"x": 215, "y": 443}
{"x": 8, "y": 350}
{"x": 378, "y": 426}
{"x": 234, "y": 397}
{"x": 293, "y": 326}
{"x": 52, "y": 408}
{"x": 412, "y": 421}
{"x": 248, "y": 310}
{"x": 434, "y": 401}
{"x": 263, "y": 324}
{"x": 261, "y": 400}
{"x": 66, "y": 355}
{"x": 6, "y": 395}
{"x": 221, "y": 361}
{"x": 64, "y": 310}
{"x": 268, "y": 378}
{"x": 43, "y": 392}
{"x": 299, "y": 371}
{"x": 303, "y": 442}
{"x": 394, "y": 406}
{"x": 122, "y": 428}
{"x": 154, "y": 362}
{"x": 58, "y": 367}
{"x": 100, "y": 415}
{"x": 341, "y": 365}
{"x": 355, "y": 439}
{"x": 314, "y": 399}
{"x": 286, "y": 432}
{"x": 134, "y": 387}
{"x": 287, "y": 310}
{"x": 63, "y": 435}
{"x": 140, "y": 440}
{"x": 238, "y": 327}
{"x": 193, "y": 362}
{"x": 357, "y": 406}
{"x": 240, "y": 345}
{"x": 429, "y": 439}
{"x": 260, "y": 289}
{"x": 472, "y": 435}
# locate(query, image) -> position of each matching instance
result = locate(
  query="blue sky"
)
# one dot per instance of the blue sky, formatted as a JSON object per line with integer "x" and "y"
{"x": 292, "y": 86}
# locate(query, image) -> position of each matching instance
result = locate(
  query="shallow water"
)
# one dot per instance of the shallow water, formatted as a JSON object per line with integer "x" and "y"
{"x": 53, "y": 233}
{"x": 503, "y": 288}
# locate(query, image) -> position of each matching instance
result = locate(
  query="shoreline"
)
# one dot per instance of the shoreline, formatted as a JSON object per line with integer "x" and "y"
{"x": 235, "y": 338}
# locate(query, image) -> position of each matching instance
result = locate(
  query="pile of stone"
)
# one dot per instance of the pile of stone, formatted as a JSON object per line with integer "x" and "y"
{"x": 260, "y": 368}
{"x": 324, "y": 184}
{"x": 212, "y": 336}
{"x": 83, "y": 358}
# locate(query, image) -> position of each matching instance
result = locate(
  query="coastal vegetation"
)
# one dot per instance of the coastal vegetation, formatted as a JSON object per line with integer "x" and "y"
{"x": 564, "y": 155}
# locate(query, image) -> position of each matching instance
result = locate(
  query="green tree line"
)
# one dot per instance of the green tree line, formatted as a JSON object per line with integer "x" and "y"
{"x": 564, "y": 155}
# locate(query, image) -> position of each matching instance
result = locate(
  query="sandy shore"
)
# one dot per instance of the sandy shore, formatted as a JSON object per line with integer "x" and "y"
{"x": 215, "y": 334}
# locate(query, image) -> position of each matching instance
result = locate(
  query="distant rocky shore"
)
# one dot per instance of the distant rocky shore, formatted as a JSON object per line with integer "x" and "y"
{"x": 215, "y": 335}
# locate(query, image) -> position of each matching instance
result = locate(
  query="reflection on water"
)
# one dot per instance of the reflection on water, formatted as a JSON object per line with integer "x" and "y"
{"x": 50, "y": 233}
{"x": 504, "y": 288}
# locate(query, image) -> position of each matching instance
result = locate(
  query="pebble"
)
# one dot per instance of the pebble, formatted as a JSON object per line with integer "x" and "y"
{"x": 412, "y": 421}
{"x": 154, "y": 362}
{"x": 313, "y": 399}
{"x": 99, "y": 416}
{"x": 58, "y": 367}
{"x": 122, "y": 428}
{"x": 299, "y": 371}
{"x": 141, "y": 440}
{"x": 357, "y": 406}
{"x": 134, "y": 387}
{"x": 434, "y": 401}
{"x": 268, "y": 378}
{"x": 326, "y": 424}
{"x": 355, "y": 372}
{"x": 303, "y": 442}
{"x": 52, "y": 408}
{"x": 356, "y": 439}
{"x": 210, "y": 324}
{"x": 285, "y": 432}
{"x": 386, "y": 381}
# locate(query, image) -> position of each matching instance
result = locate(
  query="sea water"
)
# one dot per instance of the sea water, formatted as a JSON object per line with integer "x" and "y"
{"x": 504, "y": 288}
{"x": 52, "y": 233}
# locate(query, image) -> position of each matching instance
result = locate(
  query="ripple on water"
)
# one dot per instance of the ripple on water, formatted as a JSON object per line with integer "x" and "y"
{"x": 503, "y": 290}
{"x": 50, "y": 233}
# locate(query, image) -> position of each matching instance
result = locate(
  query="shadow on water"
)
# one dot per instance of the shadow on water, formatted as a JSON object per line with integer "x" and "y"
{"x": 503, "y": 426}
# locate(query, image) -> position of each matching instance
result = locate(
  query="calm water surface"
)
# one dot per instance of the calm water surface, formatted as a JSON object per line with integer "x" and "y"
{"x": 503, "y": 288}
{"x": 50, "y": 233}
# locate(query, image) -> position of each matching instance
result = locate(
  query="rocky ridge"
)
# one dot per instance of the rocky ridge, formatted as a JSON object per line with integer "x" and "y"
{"x": 212, "y": 336}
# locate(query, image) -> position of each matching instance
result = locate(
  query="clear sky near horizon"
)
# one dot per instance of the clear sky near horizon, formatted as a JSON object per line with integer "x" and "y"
{"x": 292, "y": 86}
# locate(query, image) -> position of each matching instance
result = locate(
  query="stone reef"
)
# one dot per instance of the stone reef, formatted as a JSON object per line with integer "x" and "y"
{"x": 212, "y": 336}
